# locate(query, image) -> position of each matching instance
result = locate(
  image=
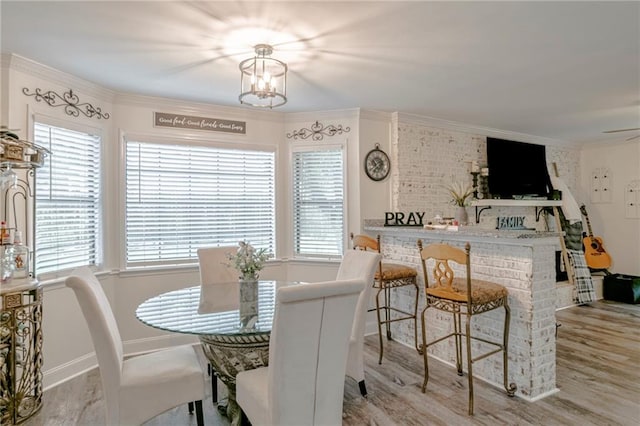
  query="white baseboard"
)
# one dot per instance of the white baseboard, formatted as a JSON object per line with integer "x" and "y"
{"x": 565, "y": 292}
{"x": 149, "y": 344}
{"x": 541, "y": 396}
{"x": 67, "y": 371}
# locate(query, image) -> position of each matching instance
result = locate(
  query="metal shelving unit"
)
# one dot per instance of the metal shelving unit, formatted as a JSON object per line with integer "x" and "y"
{"x": 20, "y": 351}
{"x": 20, "y": 298}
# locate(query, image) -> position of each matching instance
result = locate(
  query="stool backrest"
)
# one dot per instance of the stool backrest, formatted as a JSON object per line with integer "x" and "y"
{"x": 365, "y": 242}
{"x": 443, "y": 275}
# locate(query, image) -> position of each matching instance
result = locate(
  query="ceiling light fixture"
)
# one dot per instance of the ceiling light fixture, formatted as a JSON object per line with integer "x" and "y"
{"x": 263, "y": 80}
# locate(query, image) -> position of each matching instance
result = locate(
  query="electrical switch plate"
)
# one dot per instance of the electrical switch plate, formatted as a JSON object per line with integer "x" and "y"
{"x": 632, "y": 200}
{"x": 601, "y": 188}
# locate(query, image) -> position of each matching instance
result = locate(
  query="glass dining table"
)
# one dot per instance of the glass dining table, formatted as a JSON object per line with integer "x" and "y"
{"x": 232, "y": 320}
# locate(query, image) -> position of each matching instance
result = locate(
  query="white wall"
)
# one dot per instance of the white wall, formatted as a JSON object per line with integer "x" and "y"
{"x": 133, "y": 118}
{"x": 349, "y": 138}
{"x": 620, "y": 234}
{"x": 375, "y": 197}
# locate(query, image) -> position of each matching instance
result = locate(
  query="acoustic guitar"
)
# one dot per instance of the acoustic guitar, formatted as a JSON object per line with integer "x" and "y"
{"x": 594, "y": 252}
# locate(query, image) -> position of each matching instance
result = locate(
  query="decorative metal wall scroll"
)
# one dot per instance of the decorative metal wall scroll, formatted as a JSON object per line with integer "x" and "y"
{"x": 70, "y": 102}
{"x": 318, "y": 131}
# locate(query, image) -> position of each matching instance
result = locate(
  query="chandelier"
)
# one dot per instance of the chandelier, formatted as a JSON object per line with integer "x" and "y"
{"x": 263, "y": 80}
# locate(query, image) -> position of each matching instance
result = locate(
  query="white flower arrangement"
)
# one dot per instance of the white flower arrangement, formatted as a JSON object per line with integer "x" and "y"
{"x": 248, "y": 261}
{"x": 460, "y": 193}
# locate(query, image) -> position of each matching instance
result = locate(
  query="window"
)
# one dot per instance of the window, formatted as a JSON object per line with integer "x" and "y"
{"x": 67, "y": 200}
{"x": 182, "y": 197}
{"x": 318, "y": 202}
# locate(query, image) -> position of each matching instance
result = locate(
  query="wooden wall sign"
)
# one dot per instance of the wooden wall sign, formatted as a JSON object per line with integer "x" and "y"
{"x": 403, "y": 219}
{"x": 180, "y": 121}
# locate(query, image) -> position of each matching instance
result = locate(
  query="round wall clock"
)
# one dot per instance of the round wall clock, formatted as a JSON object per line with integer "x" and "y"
{"x": 377, "y": 164}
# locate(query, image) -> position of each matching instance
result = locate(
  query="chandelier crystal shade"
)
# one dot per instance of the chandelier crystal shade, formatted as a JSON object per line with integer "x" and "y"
{"x": 263, "y": 80}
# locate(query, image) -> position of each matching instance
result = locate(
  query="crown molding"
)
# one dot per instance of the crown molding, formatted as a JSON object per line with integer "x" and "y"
{"x": 608, "y": 143}
{"x": 18, "y": 63}
{"x": 369, "y": 114}
{"x": 190, "y": 107}
{"x": 399, "y": 117}
{"x": 5, "y": 60}
{"x": 304, "y": 117}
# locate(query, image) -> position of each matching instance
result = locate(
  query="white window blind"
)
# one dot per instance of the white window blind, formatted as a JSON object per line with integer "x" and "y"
{"x": 182, "y": 197}
{"x": 318, "y": 203}
{"x": 67, "y": 200}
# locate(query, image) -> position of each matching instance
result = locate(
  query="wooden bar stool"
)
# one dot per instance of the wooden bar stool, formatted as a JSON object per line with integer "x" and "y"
{"x": 450, "y": 294}
{"x": 387, "y": 277}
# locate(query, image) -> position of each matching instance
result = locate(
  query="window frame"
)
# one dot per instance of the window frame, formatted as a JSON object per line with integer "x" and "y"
{"x": 82, "y": 127}
{"x": 215, "y": 141}
{"x": 311, "y": 147}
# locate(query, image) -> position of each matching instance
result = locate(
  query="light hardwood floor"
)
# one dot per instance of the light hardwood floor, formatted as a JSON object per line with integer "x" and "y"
{"x": 598, "y": 375}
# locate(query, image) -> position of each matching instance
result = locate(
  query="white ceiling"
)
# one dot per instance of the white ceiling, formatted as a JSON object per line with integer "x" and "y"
{"x": 561, "y": 70}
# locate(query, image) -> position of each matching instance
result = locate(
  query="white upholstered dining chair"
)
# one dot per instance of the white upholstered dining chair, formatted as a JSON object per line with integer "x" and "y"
{"x": 359, "y": 264}
{"x": 138, "y": 388}
{"x": 213, "y": 263}
{"x": 304, "y": 382}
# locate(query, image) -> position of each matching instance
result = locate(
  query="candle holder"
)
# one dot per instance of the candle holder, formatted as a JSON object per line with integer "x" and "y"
{"x": 475, "y": 184}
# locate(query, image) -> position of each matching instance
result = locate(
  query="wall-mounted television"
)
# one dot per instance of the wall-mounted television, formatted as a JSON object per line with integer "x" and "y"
{"x": 517, "y": 169}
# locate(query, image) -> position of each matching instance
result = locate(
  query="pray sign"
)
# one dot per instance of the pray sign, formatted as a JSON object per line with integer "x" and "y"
{"x": 403, "y": 219}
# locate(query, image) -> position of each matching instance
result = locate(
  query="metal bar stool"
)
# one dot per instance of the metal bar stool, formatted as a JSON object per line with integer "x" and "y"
{"x": 390, "y": 276}
{"x": 462, "y": 296}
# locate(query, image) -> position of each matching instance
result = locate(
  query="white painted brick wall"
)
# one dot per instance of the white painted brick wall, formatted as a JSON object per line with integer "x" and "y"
{"x": 429, "y": 158}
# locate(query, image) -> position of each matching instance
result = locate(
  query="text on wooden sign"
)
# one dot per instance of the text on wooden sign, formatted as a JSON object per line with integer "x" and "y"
{"x": 180, "y": 121}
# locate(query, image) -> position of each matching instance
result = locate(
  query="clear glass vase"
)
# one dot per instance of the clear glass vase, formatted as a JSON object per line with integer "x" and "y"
{"x": 248, "y": 302}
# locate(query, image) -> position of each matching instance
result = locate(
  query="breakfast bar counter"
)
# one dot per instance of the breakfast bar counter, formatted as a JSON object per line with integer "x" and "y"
{"x": 523, "y": 262}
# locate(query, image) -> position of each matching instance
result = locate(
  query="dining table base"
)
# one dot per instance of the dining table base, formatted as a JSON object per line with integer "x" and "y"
{"x": 229, "y": 355}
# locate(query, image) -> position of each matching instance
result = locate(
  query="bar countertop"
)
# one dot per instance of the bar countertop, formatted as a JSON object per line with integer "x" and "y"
{"x": 466, "y": 233}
